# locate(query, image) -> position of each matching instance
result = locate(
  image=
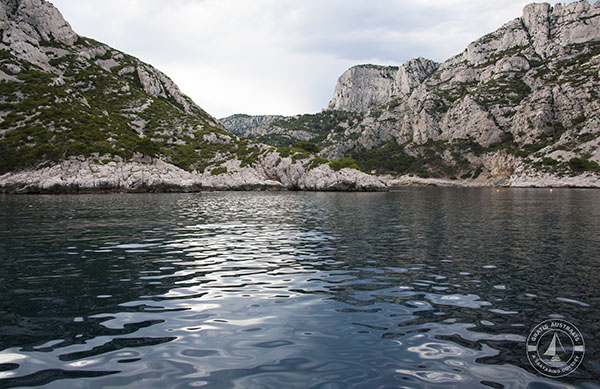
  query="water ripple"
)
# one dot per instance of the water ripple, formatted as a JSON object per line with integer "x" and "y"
{"x": 421, "y": 288}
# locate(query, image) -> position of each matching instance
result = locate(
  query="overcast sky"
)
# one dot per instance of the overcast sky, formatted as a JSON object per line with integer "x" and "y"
{"x": 281, "y": 56}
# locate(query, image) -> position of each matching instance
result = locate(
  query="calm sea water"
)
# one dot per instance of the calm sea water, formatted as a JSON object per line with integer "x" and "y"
{"x": 420, "y": 288}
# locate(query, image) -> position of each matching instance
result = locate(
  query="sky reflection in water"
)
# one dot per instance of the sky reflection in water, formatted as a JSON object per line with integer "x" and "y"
{"x": 422, "y": 287}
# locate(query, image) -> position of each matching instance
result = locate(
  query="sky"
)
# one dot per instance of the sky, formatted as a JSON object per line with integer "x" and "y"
{"x": 281, "y": 56}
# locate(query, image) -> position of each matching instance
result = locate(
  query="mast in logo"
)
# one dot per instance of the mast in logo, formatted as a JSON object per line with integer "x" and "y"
{"x": 551, "y": 351}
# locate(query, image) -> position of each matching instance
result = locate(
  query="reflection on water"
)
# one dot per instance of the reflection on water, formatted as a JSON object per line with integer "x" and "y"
{"x": 416, "y": 288}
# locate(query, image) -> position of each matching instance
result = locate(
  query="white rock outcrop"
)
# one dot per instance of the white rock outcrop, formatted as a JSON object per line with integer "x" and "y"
{"x": 157, "y": 84}
{"x": 25, "y": 23}
{"x": 43, "y": 16}
{"x": 144, "y": 174}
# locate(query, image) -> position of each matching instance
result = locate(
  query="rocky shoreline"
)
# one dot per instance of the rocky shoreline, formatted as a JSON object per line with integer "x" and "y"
{"x": 151, "y": 175}
{"x": 532, "y": 180}
{"x": 144, "y": 174}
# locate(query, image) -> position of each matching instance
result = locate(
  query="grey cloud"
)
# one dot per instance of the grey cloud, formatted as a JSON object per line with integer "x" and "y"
{"x": 219, "y": 50}
{"x": 388, "y": 30}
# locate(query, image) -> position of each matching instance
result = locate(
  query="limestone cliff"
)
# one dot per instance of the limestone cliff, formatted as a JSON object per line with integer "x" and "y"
{"x": 78, "y": 115}
{"x": 367, "y": 86}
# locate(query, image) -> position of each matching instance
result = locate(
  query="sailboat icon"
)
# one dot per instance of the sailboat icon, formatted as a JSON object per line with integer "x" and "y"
{"x": 551, "y": 351}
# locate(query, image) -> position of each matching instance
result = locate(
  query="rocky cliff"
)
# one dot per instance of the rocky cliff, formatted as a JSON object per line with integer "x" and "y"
{"x": 519, "y": 103}
{"x": 363, "y": 87}
{"x": 78, "y": 115}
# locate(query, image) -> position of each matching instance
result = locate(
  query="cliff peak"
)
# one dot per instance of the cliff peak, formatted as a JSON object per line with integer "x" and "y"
{"x": 47, "y": 21}
{"x": 363, "y": 87}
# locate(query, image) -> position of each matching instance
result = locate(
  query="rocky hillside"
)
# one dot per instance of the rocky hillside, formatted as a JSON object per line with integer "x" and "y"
{"x": 519, "y": 106}
{"x": 78, "y": 115}
{"x": 288, "y": 131}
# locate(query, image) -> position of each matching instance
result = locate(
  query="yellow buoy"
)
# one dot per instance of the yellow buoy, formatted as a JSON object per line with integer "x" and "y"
{"x": 497, "y": 190}
{"x": 550, "y": 190}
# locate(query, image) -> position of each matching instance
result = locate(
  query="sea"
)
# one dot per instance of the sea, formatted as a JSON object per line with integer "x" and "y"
{"x": 412, "y": 288}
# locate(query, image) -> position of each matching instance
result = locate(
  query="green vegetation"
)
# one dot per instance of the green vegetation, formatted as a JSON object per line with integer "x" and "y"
{"x": 446, "y": 158}
{"x": 578, "y": 120}
{"x": 319, "y": 125}
{"x": 316, "y": 162}
{"x": 218, "y": 170}
{"x": 285, "y": 152}
{"x": 5, "y": 54}
{"x": 307, "y": 146}
{"x": 507, "y": 90}
{"x": 581, "y": 165}
{"x": 575, "y": 166}
{"x": 425, "y": 160}
{"x": 457, "y": 92}
{"x": 493, "y": 58}
{"x": 299, "y": 156}
{"x": 342, "y": 163}
{"x": 51, "y": 43}
{"x": 550, "y": 161}
{"x": 247, "y": 153}
{"x": 89, "y": 111}
{"x": 576, "y": 69}
{"x": 378, "y": 67}
{"x": 389, "y": 158}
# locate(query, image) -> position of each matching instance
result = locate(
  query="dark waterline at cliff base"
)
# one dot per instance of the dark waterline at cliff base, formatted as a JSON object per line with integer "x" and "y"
{"x": 423, "y": 287}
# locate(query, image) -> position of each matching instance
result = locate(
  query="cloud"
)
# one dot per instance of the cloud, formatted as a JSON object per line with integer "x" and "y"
{"x": 280, "y": 56}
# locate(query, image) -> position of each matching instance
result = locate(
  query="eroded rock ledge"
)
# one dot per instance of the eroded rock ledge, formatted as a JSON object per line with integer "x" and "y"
{"x": 81, "y": 175}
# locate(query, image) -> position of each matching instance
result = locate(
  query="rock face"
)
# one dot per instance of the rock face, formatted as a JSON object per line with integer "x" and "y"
{"x": 47, "y": 22}
{"x": 521, "y": 101}
{"x": 77, "y": 115}
{"x": 542, "y": 67}
{"x": 364, "y": 87}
